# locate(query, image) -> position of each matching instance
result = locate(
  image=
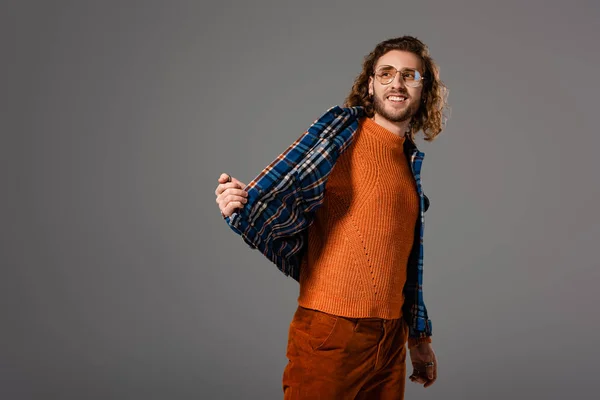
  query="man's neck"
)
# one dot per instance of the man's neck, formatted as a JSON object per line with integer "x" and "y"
{"x": 398, "y": 128}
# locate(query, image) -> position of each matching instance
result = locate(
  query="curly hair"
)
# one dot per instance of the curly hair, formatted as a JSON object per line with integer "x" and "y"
{"x": 430, "y": 117}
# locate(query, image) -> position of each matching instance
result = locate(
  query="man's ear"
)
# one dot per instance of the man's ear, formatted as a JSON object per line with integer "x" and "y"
{"x": 370, "y": 86}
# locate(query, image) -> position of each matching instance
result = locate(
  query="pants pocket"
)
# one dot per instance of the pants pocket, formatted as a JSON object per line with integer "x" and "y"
{"x": 316, "y": 327}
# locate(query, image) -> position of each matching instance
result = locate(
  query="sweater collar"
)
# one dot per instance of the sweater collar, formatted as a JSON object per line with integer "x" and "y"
{"x": 410, "y": 146}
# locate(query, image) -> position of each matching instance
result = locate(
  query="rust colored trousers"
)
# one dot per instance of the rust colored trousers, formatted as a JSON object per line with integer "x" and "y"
{"x": 333, "y": 357}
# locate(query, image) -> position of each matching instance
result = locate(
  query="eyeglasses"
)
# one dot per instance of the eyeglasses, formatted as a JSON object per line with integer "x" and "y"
{"x": 385, "y": 74}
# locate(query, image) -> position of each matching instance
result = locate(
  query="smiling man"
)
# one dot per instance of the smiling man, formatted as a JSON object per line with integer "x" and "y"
{"x": 342, "y": 212}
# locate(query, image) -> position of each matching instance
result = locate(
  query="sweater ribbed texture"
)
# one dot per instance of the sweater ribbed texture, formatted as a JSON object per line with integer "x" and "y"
{"x": 361, "y": 237}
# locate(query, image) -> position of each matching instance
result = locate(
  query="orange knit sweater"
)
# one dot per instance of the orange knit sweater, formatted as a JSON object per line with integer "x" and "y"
{"x": 361, "y": 237}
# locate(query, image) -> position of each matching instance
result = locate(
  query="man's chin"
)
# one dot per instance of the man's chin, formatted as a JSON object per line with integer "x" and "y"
{"x": 394, "y": 113}
{"x": 397, "y": 117}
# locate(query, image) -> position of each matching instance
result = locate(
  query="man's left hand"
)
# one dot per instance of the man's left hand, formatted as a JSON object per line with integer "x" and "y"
{"x": 424, "y": 364}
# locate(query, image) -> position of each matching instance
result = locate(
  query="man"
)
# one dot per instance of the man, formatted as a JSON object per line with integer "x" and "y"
{"x": 341, "y": 211}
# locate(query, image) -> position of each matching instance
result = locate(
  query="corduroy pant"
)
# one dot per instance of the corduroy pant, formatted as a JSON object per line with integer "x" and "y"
{"x": 333, "y": 357}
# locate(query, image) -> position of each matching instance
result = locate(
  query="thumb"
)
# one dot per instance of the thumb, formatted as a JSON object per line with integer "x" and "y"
{"x": 237, "y": 182}
{"x": 224, "y": 178}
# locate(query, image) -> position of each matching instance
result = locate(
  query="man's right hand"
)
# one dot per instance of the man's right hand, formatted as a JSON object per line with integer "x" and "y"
{"x": 230, "y": 194}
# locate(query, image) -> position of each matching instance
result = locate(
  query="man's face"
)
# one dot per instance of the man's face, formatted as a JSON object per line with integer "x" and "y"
{"x": 394, "y": 109}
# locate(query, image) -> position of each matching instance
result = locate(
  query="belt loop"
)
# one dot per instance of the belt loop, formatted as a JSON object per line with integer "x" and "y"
{"x": 355, "y": 322}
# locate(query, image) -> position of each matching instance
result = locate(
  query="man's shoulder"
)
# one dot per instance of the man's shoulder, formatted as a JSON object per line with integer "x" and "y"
{"x": 352, "y": 111}
{"x": 334, "y": 118}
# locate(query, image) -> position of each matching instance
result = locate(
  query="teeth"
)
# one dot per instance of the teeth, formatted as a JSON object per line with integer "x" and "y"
{"x": 396, "y": 98}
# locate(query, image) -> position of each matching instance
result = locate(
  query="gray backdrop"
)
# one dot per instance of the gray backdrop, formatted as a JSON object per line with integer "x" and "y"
{"x": 120, "y": 279}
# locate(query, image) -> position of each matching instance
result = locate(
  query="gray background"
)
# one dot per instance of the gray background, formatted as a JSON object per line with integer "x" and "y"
{"x": 119, "y": 278}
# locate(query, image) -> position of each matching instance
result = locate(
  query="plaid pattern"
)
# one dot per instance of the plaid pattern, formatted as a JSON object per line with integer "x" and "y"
{"x": 282, "y": 200}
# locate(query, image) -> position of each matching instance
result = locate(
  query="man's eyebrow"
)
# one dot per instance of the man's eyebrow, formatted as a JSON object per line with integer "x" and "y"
{"x": 387, "y": 65}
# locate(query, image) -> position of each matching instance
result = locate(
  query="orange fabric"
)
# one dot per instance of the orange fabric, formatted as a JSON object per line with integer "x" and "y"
{"x": 319, "y": 365}
{"x": 361, "y": 237}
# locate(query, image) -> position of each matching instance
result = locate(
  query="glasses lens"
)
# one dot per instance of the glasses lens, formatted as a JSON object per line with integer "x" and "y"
{"x": 411, "y": 77}
{"x": 386, "y": 74}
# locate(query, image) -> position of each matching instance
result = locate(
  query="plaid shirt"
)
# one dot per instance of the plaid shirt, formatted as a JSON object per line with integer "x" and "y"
{"x": 282, "y": 200}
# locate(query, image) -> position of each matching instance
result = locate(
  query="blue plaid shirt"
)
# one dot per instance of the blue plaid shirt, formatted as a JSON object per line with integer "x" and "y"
{"x": 283, "y": 198}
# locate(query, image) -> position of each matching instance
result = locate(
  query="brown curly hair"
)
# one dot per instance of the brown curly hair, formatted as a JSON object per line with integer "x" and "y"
{"x": 430, "y": 117}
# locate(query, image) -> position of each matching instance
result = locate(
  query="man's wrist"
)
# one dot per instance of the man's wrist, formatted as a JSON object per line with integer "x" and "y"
{"x": 413, "y": 342}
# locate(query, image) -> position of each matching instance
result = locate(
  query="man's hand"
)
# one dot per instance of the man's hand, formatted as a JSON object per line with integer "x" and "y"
{"x": 230, "y": 194}
{"x": 424, "y": 364}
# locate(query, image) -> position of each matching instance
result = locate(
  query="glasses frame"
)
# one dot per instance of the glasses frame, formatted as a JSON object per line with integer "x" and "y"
{"x": 419, "y": 82}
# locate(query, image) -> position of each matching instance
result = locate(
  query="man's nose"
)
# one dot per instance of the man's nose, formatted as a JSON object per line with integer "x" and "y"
{"x": 398, "y": 82}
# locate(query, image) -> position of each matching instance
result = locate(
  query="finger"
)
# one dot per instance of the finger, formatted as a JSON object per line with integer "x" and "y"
{"x": 431, "y": 375}
{"x": 429, "y": 383}
{"x": 229, "y": 185}
{"x": 224, "y": 178}
{"x": 228, "y": 210}
{"x": 419, "y": 380}
{"x": 227, "y": 207}
{"x": 230, "y": 206}
{"x": 430, "y": 372}
{"x": 237, "y": 192}
{"x": 232, "y": 194}
{"x": 237, "y": 182}
{"x": 417, "y": 377}
{"x": 230, "y": 198}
